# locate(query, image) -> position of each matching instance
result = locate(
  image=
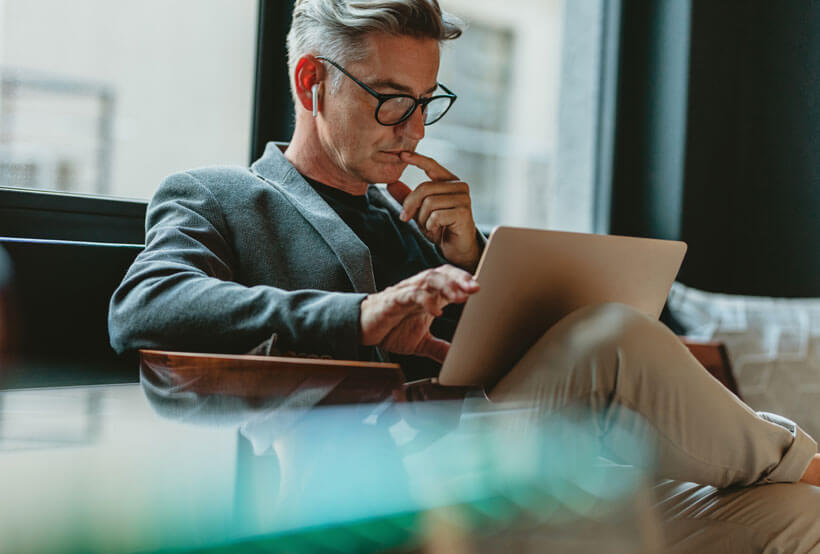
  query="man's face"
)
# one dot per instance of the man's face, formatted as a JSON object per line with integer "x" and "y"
{"x": 349, "y": 133}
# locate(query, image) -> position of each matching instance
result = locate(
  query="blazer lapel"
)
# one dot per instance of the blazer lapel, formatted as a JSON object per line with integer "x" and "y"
{"x": 354, "y": 256}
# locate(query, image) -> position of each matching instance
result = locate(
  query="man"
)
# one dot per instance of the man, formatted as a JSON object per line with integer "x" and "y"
{"x": 301, "y": 254}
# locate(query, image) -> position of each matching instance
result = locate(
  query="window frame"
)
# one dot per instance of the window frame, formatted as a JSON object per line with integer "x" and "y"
{"x": 273, "y": 113}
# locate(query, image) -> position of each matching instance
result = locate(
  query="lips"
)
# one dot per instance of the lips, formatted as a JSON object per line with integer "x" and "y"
{"x": 393, "y": 155}
{"x": 399, "y": 149}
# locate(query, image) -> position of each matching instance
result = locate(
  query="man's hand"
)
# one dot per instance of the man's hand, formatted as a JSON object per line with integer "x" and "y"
{"x": 398, "y": 318}
{"x": 442, "y": 209}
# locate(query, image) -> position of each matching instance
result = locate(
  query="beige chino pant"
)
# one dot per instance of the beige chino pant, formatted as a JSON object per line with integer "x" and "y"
{"x": 640, "y": 380}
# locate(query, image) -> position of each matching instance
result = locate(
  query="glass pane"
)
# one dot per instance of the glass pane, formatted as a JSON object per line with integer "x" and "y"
{"x": 511, "y": 69}
{"x": 436, "y": 108}
{"x": 108, "y": 97}
{"x": 394, "y": 109}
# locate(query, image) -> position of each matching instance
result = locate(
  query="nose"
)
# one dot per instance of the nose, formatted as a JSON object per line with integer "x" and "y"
{"x": 413, "y": 126}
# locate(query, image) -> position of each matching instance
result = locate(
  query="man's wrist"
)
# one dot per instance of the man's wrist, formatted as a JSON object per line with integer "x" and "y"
{"x": 365, "y": 325}
{"x": 469, "y": 261}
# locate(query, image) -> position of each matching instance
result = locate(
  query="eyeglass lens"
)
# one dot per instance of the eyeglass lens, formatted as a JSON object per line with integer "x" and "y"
{"x": 395, "y": 109}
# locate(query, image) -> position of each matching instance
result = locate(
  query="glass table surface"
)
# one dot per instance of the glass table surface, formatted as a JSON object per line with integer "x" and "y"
{"x": 157, "y": 467}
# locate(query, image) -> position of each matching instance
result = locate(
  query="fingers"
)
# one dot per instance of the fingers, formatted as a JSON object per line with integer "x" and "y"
{"x": 431, "y": 290}
{"x": 447, "y": 280}
{"x": 432, "y": 347}
{"x": 443, "y": 192}
{"x": 399, "y": 191}
{"x": 453, "y": 232}
{"x": 431, "y": 167}
{"x": 449, "y": 194}
{"x": 429, "y": 300}
{"x": 399, "y": 317}
{"x": 435, "y": 204}
{"x": 438, "y": 222}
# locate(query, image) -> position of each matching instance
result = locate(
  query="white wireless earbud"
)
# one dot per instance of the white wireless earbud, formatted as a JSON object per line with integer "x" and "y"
{"x": 315, "y": 90}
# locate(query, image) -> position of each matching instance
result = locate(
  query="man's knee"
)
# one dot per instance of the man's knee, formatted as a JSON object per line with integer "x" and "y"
{"x": 607, "y": 326}
{"x": 618, "y": 342}
{"x": 588, "y": 347}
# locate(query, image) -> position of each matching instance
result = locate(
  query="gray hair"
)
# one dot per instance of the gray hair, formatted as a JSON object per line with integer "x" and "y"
{"x": 336, "y": 29}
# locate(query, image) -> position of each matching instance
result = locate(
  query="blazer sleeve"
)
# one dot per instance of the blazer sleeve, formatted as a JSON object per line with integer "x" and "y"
{"x": 179, "y": 293}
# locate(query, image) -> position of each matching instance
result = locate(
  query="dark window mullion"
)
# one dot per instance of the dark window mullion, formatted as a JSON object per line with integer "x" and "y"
{"x": 272, "y": 103}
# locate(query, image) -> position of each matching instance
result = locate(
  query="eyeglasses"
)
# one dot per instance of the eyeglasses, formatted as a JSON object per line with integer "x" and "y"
{"x": 395, "y": 108}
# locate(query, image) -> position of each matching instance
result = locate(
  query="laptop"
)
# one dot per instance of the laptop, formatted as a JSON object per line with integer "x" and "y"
{"x": 530, "y": 279}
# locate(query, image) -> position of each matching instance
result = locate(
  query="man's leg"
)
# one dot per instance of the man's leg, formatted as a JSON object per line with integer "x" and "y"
{"x": 619, "y": 363}
{"x": 781, "y": 517}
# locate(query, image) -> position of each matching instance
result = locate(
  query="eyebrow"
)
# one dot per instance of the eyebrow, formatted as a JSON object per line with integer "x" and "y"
{"x": 396, "y": 86}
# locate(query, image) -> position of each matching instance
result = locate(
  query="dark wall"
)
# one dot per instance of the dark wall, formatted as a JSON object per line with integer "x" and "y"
{"x": 752, "y": 194}
{"x": 738, "y": 175}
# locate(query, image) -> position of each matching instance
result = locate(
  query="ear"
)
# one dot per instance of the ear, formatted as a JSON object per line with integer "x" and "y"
{"x": 309, "y": 71}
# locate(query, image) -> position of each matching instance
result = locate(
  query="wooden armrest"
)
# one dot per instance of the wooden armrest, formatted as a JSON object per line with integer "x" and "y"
{"x": 270, "y": 376}
{"x": 715, "y": 358}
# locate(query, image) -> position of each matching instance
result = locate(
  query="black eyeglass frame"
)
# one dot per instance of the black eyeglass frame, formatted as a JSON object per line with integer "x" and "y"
{"x": 382, "y": 98}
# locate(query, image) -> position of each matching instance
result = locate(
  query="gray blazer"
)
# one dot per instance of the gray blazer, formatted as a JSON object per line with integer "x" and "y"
{"x": 238, "y": 257}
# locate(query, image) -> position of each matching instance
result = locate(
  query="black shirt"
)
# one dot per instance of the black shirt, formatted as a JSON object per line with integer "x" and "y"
{"x": 395, "y": 255}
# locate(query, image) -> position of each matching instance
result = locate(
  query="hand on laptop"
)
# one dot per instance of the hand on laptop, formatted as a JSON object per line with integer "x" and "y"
{"x": 398, "y": 318}
{"x": 442, "y": 209}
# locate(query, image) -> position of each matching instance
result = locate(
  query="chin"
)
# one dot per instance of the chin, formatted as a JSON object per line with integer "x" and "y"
{"x": 388, "y": 173}
{"x": 380, "y": 175}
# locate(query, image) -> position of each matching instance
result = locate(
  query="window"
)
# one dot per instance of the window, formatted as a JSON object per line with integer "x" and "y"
{"x": 524, "y": 131}
{"x": 109, "y": 97}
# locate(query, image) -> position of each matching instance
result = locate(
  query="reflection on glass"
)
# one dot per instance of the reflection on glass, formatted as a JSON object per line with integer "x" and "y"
{"x": 166, "y": 468}
{"x": 393, "y": 475}
{"x": 68, "y": 419}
